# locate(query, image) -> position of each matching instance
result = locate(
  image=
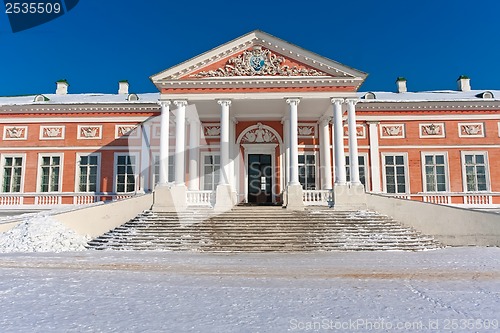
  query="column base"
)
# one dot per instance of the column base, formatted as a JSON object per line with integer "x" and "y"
{"x": 349, "y": 197}
{"x": 225, "y": 198}
{"x": 294, "y": 197}
{"x": 170, "y": 198}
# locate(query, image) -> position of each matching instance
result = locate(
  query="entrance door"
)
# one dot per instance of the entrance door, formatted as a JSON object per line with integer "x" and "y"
{"x": 260, "y": 179}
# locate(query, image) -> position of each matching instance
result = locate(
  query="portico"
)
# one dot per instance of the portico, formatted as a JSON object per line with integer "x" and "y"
{"x": 259, "y": 112}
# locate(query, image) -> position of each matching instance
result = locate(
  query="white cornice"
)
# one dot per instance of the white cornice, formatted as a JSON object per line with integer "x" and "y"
{"x": 68, "y": 108}
{"x": 429, "y": 105}
{"x": 59, "y": 120}
{"x": 454, "y": 116}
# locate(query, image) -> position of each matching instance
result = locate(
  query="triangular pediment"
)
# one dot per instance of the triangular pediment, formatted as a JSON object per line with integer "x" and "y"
{"x": 256, "y": 56}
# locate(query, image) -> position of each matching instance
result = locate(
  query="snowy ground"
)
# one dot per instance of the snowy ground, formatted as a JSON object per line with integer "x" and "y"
{"x": 449, "y": 290}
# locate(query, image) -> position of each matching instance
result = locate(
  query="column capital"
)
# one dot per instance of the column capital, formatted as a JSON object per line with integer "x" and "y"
{"x": 224, "y": 102}
{"x": 352, "y": 101}
{"x": 325, "y": 118}
{"x": 293, "y": 101}
{"x": 234, "y": 120}
{"x": 181, "y": 103}
{"x": 163, "y": 102}
{"x": 336, "y": 100}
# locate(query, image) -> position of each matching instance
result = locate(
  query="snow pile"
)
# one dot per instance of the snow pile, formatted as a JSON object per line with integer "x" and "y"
{"x": 41, "y": 234}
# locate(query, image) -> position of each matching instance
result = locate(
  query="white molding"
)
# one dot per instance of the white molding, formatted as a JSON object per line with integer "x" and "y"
{"x": 77, "y": 170}
{"x": 440, "y": 126}
{"x": 487, "y": 169}
{"x": 23, "y": 135}
{"x": 450, "y": 146}
{"x": 39, "y": 170}
{"x": 65, "y": 120}
{"x": 446, "y": 168}
{"x": 387, "y": 129}
{"x": 407, "y": 173}
{"x": 61, "y": 128}
{"x": 438, "y": 117}
{"x": 462, "y": 130}
{"x": 314, "y": 127}
{"x": 94, "y": 148}
{"x": 358, "y": 126}
{"x": 97, "y": 128}
{"x": 23, "y": 169}
{"x": 127, "y": 131}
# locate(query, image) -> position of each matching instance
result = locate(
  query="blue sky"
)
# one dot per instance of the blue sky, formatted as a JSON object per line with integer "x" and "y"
{"x": 98, "y": 43}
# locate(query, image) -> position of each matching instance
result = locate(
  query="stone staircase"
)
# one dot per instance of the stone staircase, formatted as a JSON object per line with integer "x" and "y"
{"x": 263, "y": 229}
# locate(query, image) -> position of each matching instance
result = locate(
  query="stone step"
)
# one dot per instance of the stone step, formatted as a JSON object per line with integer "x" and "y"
{"x": 263, "y": 230}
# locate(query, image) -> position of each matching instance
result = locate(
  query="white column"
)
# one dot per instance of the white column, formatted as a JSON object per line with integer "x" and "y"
{"x": 374, "y": 156}
{"x": 332, "y": 150}
{"x": 164, "y": 141}
{"x": 286, "y": 133}
{"x": 232, "y": 153}
{"x": 294, "y": 145}
{"x": 224, "y": 142}
{"x": 144, "y": 185}
{"x": 180, "y": 143}
{"x": 353, "y": 142}
{"x": 340, "y": 175}
{"x": 324, "y": 152}
{"x": 194, "y": 154}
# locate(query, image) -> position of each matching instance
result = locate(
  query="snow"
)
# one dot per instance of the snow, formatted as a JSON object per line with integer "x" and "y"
{"x": 149, "y": 98}
{"x": 41, "y": 233}
{"x": 95, "y": 291}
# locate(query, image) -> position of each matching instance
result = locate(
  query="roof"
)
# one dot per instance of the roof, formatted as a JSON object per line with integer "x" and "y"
{"x": 429, "y": 96}
{"x": 70, "y": 99}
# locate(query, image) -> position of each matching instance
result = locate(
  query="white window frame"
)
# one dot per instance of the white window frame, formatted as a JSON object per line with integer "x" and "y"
{"x": 77, "y": 171}
{"x": 171, "y": 175}
{"x": 136, "y": 170}
{"x": 407, "y": 175}
{"x": 487, "y": 169}
{"x": 316, "y": 166}
{"x": 367, "y": 169}
{"x": 202, "y": 168}
{"x": 39, "y": 174}
{"x": 423, "y": 154}
{"x": 23, "y": 170}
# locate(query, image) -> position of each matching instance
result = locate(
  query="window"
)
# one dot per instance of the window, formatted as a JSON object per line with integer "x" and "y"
{"x": 475, "y": 167}
{"x": 171, "y": 169}
{"x": 211, "y": 173}
{"x": 395, "y": 173}
{"x": 435, "y": 173}
{"x": 307, "y": 171}
{"x": 50, "y": 171}
{"x": 125, "y": 176}
{"x": 12, "y": 174}
{"x": 88, "y": 173}
{"x": 362, "y": 169}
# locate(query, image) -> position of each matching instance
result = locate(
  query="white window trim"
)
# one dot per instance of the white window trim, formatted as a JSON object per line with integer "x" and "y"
{"x": 407, "y": 175}
{"x": 367, "y": 169}
{"x": 23, "y": 170}
{"x": 446, "y": 170}
{"x": 77, "y": 171}
{"x": 202, "y": 167}
{"x": 316, "y": 166}
{"x": 136, "y": 169}
{"x": 39, "y": 173}
{"x": 487, "y": 167}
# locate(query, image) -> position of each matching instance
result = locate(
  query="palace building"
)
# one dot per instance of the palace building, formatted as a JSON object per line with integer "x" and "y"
{"x": 256, "y": 120}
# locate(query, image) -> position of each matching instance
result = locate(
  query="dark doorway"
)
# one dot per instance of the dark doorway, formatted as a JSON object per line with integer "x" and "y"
{"x": 260, "y": 179}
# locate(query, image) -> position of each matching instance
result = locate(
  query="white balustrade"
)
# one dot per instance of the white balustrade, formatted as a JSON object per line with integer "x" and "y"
{"x": 199, "y": 198}
{"x": 317, "y": 197}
